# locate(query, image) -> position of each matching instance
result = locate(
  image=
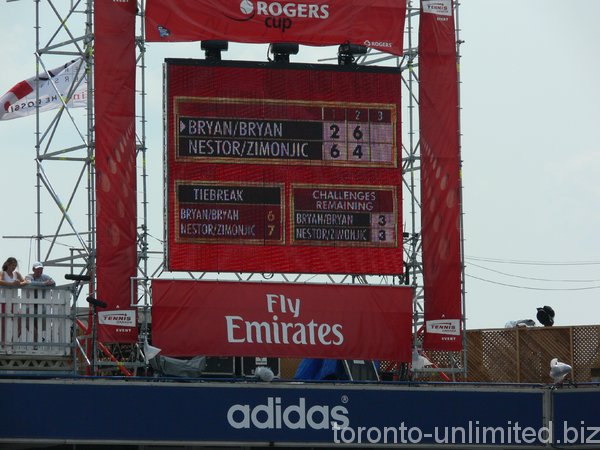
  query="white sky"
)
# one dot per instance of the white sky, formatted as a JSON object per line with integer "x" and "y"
{"x": 530, "y": 118}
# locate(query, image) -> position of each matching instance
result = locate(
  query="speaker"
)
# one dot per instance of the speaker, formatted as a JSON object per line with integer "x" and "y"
{"x": 359, "y": 369}
{"x": 219, "y": 366}
{"x": 249, "y": 365}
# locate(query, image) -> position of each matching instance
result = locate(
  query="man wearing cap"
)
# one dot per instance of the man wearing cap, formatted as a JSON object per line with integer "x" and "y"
{"x": 38, "y": 277}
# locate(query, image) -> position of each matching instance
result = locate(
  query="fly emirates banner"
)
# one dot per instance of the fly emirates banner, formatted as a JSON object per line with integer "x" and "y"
{"x": 282, "y": 319}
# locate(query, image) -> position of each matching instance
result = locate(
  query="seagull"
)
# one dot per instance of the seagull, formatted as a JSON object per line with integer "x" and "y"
{"x": 520, "y": 323}
{"x": 559, "y": 370}
{"x": 419, "y": 361}
{"x": 264, "y": 373}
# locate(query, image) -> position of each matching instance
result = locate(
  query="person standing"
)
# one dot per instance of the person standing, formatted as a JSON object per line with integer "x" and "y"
{"x": 9, "y": 275}
{"x": 38, "y": 277}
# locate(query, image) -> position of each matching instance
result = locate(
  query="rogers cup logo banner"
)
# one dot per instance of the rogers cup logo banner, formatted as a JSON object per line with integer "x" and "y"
{"x": 378, "y": 24}
{"x": 282, "y": 319}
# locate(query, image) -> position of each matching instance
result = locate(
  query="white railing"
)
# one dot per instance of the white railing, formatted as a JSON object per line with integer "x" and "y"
{"x": 35, "y": 321}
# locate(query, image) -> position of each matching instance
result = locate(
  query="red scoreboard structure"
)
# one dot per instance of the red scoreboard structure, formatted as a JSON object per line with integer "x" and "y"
{"x": 286, "y": 168}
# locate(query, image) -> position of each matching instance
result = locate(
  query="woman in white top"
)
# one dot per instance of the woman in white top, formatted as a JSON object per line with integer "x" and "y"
{"x": 9, "y": 275}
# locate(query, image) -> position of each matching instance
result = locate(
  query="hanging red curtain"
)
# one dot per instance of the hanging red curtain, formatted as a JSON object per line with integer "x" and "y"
{"x": 114, "y": 107}
{"x": 440, "y": 176}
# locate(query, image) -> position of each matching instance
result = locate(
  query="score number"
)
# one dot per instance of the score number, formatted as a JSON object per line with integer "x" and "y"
{"x": 353, "y": 134}
{"x": 383, "y": 227}
{"x": 271, "y": 222}
{"x": 357, "y": 134}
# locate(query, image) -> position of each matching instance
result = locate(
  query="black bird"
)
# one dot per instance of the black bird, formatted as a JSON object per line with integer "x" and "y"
{"x": 545, "y": 315}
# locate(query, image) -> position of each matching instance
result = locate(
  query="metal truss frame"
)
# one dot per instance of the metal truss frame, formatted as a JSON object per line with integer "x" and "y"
{"x": 455, "y": 362}
{"x": 76, "y": 208}
{"x": 65, "y": 139}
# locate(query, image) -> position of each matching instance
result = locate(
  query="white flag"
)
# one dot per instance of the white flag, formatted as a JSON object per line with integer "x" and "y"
{"x": 20, "y": 100}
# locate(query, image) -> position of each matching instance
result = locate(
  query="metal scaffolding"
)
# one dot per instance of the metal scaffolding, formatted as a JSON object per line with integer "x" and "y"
{"x": 64, "y": 142}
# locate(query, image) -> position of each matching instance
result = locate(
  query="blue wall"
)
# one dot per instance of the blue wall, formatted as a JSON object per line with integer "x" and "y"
{"x": 95, "y": 410}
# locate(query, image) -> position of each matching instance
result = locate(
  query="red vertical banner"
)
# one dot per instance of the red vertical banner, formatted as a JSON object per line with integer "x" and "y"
{"x": 114, "y": 107}
{"x": 440, "y": 176}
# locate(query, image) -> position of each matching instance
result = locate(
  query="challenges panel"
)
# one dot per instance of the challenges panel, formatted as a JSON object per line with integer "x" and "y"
{"x": 282, "y": 168}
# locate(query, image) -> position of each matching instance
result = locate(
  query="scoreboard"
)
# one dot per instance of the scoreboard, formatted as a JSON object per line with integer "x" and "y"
{"x": 296, "y": 132}
{"x": 288, "y": 168}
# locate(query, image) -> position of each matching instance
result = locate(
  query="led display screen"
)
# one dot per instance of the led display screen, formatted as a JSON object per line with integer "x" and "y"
{"x": 285, "y": 168}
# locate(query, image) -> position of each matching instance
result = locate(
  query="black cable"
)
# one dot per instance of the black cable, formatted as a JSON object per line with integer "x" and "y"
{"x": 533, "y": 288}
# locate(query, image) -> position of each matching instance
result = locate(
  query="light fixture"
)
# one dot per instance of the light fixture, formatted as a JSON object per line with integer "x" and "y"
{"x": 95, "y": 302}
{"x": 545, "y": 315}
{"x": 73, "y": 277}
{"x": 347, "y": 53}
{"x": 282, "y": 51}
{"x": 213, "y": 49}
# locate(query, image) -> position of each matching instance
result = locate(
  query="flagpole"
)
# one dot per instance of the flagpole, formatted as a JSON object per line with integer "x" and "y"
{"x": 37, "y": 137}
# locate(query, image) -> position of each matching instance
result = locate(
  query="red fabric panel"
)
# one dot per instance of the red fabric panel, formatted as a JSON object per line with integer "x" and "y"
{"x": 282, "y": 319}
{"x": 114, "y": 79}
{"x": 378, "y": 24}
{"x": 440, "y": 182}
{"x": 21, "y": 89}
